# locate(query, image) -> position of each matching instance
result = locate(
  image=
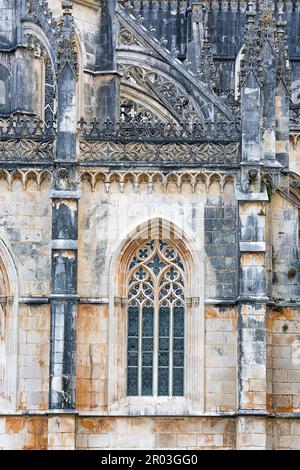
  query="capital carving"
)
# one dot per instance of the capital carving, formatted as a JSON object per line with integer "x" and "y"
{"x": 193, "y": 302}
{"x": 121, "y": 301}
{"x": 6, "y": 299}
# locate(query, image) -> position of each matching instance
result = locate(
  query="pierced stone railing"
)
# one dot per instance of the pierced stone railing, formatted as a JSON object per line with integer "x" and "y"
{"x": 21, "y": 127}
{"x": 27, "y": 139}
{"x": 145, "y": 131}
{"x": 143, "y": 143}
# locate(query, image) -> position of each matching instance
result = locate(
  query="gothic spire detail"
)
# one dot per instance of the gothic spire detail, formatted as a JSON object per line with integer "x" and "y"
{"x": 66, "y": 53}
{"x": 283, "y": 72}
{"x": 207, "y": 69}
{"x": 266, "y": 18}
{"x": 252, "y": 60}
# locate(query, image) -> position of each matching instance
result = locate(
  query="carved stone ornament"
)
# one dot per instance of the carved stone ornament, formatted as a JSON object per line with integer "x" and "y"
{"x": 67, "y": 53}
{"x": 209, "y": 153}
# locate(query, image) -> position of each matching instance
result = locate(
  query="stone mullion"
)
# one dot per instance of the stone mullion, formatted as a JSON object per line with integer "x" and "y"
{"x": 106, "y": 77}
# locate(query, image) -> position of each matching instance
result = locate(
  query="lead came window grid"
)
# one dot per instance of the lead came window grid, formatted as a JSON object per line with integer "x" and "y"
{"x": 156, "y": 310}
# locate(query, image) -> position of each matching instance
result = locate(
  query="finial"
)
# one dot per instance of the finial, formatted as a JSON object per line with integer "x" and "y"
{"x": 250, "y": 13}
{"x": 281, "y": 24}
{"x": 67, "y": 6}
{"x": 206, "y": 36}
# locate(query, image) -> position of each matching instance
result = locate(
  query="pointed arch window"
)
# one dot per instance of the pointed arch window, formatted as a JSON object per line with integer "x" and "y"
{"x": 156, "y": 323}
{"x": 156, "y": 311}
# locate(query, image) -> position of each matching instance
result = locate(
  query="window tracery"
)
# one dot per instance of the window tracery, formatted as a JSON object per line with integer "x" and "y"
{"x": 156, "y": 311}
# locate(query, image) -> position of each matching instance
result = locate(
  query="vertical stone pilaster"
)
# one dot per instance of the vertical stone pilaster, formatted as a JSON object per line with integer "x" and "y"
{"x": 251, "y": 123}
{"x": 252, "y": 378}
{"x": 64, "y": 295}
{"x": 252, "y": 197}
{"x": 66, "y": 115}
{"x": 22, "y": 99}
{"x": 268, "y": 59}
{"x": 282, "y": 93}
{"x": 252, "y": 309}
{"x": 65, "y": 195}
{"x": 282, "y": 124}
{"x": 107, "y": 78}
{"x": 66, "y": 87}
{"x": 107, "y": 85}
{"x": 251, "y": 78}
{"x": 196, "y": 28}
{"x": 269, "y": 121}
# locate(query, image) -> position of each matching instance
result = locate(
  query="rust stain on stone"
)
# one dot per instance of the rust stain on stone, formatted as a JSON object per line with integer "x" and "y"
{"x": 211, "y": 312}
{"x": 105, "y": 425}
{"x": 88, "y": 424}
{"x": 15, "y": 425}
{"x": 269, "y": 402}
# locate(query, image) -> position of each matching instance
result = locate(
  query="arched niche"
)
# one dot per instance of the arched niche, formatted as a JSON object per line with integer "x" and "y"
{"x": 192, "y": 403}
{"x": 8, "y": 330}
{"x": 43, "y": 72}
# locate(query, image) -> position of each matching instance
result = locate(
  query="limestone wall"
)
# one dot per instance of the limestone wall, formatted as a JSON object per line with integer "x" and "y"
{"x": 25, "y": 227}
{"x": 284, "y": 325}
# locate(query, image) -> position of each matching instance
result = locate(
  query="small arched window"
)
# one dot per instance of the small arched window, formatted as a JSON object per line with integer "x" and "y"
{"x": 156, "y": 310}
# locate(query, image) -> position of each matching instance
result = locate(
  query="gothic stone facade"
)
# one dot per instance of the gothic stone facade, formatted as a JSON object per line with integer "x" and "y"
{"x": 149, "y": 235}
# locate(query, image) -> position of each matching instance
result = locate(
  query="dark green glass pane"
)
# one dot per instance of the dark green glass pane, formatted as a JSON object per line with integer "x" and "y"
{"x": 148, "y": 314}
{"x": 147, "y": 359}
{"x": 132, "y": 382}
{"x": 163, "y": 381}
{"x": 178, "y": 359}
{"x": 147, "y": 381}
{"x": 178, "y": 382}
{"x": 163, "y": 359}
{"x": 147, "y": 344}
{"x": 178, "y": 322}
{"x": 133, "y": 359}
{"x": 178, "y": 344}
{"x": 164, "y": 321}
{"x": 132, "y": 344}
{"x": 133, "y": 321}
{"x": 164, "y": 344}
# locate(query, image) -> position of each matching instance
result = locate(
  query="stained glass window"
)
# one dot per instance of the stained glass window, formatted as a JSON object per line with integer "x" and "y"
{"x": 156, "y": 311}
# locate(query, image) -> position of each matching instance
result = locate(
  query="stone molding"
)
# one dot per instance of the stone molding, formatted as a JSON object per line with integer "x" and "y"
{"x": 193, "y": 400}
{"x": 193, "y": 178}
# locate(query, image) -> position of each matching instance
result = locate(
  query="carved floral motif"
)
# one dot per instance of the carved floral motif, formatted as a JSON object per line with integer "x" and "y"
{"x": 11, "y": 150}
{"x": 208, "y": 153}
